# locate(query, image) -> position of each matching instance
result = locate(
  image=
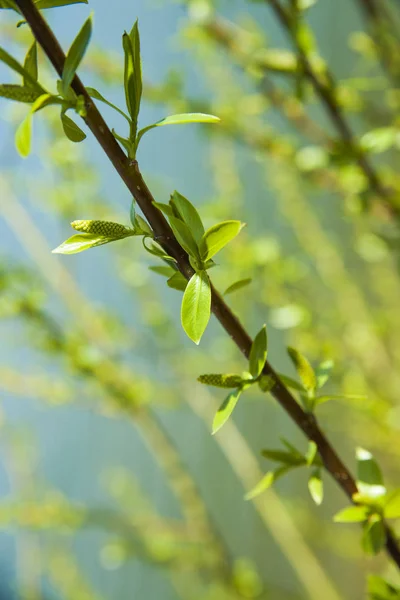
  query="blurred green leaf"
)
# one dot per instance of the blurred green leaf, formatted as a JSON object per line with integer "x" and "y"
{"x": 304, "y": 369}
{"x": 163, "y": 270}
{"x": 14, "y": 64}
{"x": 258, "y": 352}
{"x": 23, "y": 136}
{"x": 266, "y": 383}
{"x": 42, "y": 4}
{"x": 369, "y": 475}
{"x": 71, "y": 129}
{"x": 217, "y": 236}
{"x": 30, "y": 65}
{"x": 323, "y": 372}
{"x": 177, "y": 282}
{"x": 19, "y": 93}
{"x": 75, "y": 55}
{"x": 311, "y": 452}
{"x": 93, "y": 93}
{"x": 287, "y": 458}
{"x": 374, "y": 536}
{"x": 316, "y": 486}
{"x": 391, "y": 507}
{"x": 380, "y": 589}
{"x": 322, "y": 399}
{"x": 184, "y": 236}
{"x": 238, "y": 285}
{"x": 179, "y": 120}
{"x": 291, "y": 383}
{"x": 188, "y": 214}
{"x": 352, "y": 514}
{"x": 266, "y": 482}
{"x": 196, "y": 306}
{"x": 225, "y": 410}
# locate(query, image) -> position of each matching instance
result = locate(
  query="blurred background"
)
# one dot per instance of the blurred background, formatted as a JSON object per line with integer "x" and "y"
{"x": 111, "y": 485}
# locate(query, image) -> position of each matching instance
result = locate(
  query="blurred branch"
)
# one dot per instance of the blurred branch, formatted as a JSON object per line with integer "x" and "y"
{"x": 130, "y": 174}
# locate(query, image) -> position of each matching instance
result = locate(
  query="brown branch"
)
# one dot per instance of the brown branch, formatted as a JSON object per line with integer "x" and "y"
{"x": 130, "y": 174}
{"x": 325, "y": 87}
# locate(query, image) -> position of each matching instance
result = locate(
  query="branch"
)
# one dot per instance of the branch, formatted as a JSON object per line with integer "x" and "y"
{"x": 130, "y": 174}
{"x": 325, "y": 87}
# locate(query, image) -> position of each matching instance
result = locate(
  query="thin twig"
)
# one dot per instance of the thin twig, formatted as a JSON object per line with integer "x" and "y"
{"x": 130, "y": 174}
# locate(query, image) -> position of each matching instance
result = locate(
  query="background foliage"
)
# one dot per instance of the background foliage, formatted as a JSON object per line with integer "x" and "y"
{"x": 112, "y": 485}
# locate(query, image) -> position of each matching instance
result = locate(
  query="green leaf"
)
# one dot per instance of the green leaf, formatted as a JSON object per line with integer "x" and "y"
{"x": 177, "y": 282}
{"x": 132, "y": 74}
{"x": 258, "y": 352}
{"x": 322, "y": 399}
{"x": 304, "y": 369}
{"x": 19, "y": 93}
{"x": 221, "y": 380}
{"x": 166, "y": 209}
{"x": 163, "y": 270}
{"x": 42, "y": 4}
{"x": 392, "y": 505}
{"x": 14, "y": 64}
{"x": 155, "y": 249}
{"x": 30, "y": 65}
{"x": 180, "y": 119}
{"x": 225, "y": 410}
{"x": 323, "y": 372}
{"x": 293, "y": 450}
{"x": 287, "y": 458}
{"x": 291, "y": 383}
{"x": 196, "y": 306}
{"x": 125, "y": 142}
{"x": 369, "y": 475}
{"x": 23, "y": 136}
{"x": 184, "y": 236}
{"x": 71, "y": 129}
{"x": 132, "y": 212}
{"x": 238, "y": 285}
{"x": 380, "y": 589}
{"x": 311, "y": 452}
{"x": 266, "y": 482}
{"x": 266, "y": 383}
{"x": 75, "y": 55}
{"x": 97, "y": 96}
{"x": 374, "y": 535}
{"x": 316, "y": 487}
{"x": 9, "y": 4}
{"x": 352, "y": 514}
{"x": 82, "y": 241}
{"x": 217, "y": 236}
{"x": 188, "y": 213}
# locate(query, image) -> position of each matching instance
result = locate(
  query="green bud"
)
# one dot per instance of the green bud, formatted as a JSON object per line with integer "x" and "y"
{"x": 219, "y": 380}
{"x": 104, "y": 228}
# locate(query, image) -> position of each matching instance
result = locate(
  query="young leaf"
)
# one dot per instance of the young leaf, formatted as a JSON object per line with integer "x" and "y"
{"x": 221, "y": 380}
{"x": 217, "y": 236}
{"x": 82, "y": 241}
{"x": 315, "y": 487}
{"x": 238, "y": 285}
{"x": 311, "y": 452}
{"x": 291, "y": 383}
{"x": 188, "y": 214}
{"x": 166, "y": 209}
{"x": 196, "y": 306}
{"x": 23, "y": 136}
{"x": 352, "y": 514}
{"x": 225, "y": 410}
{"x": 177, "y": 282}
{"x": 380, "y": 589}
{"x": 374, "y": 535}
{"x": 392, "y": 505}
{"x": 30, "y": 65}
{"x": 75, "y": 54}
{"x": 42, "y": 4}
{"x": 164, "y": 271}
{"x": 369, "y": 475}
{"x": 266, "y": 482}
{"x": 287, "y": 458}
{"x": 179, "y": 120}
{"x": 132, "y": 212}
{"x": 125, "y": 143}
{"x": 14, "y": 64}
{"x": 258, "y": 353}
{"x": 304, "y": 369}
{"x": 323, "y": 372}
{"x": 97, "y": 96}
{"x": 322, "y": 399}
{"x": 71, "y": 129}
{"x": 132, "y": 74}
{"x": 184, "y": 236}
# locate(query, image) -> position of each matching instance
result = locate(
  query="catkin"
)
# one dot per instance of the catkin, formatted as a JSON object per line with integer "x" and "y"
{"x": 105, "y": 228}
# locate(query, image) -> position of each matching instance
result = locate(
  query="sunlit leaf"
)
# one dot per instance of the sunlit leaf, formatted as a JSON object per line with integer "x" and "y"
{"x": 304, "y": 369}
{"x": 196, "y": 306}
{"x": 369, "y": 475}
{"x": 316, "y": 486}
{"x": 184, "y": 236}
{"x": 23, "y": 136}
{"x": 217, "y": 236}
{"x": 71, "y": 129}
{"x": 225, "y": 410}
{"x": 93, "y": 93}
{"x": 352, "y": 514}
{"x": 266, "y": 482}
{"x": 258, "y": 352}
{"x": 380, "y": 589}
{"x": 374, "y": 535}
{"x": 82, "y": 241}
{"x": 323, "y": 372}
{"x": 180, "y": 119}
{"x": 188, "y": 213}
{"x": 312, "y": 451}
{"x": 75, "y": 54}
{"x": 238, "y": 285}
